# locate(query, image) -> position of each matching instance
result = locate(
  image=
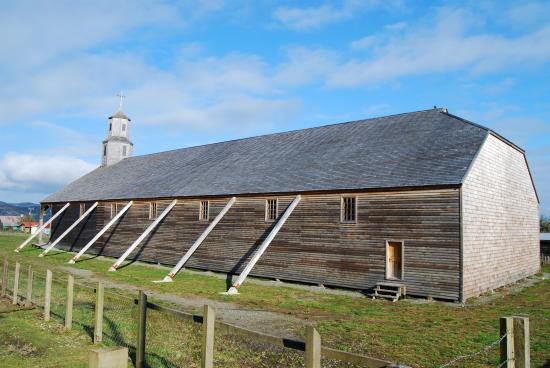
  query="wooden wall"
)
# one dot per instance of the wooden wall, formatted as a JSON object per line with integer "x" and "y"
{"x": 313, "y": 246}
{"x": 501, "y": 219}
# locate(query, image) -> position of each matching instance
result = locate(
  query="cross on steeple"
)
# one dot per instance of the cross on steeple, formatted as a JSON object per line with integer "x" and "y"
{"x": 121, "y": 96}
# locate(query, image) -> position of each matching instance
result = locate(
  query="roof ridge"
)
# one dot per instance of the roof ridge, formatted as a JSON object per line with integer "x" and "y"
{"x": 489, "y": 130}
{"x": 286, "y": 132}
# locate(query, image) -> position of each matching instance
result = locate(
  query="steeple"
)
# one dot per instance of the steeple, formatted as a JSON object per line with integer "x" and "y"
{"x": 117, "y": 146}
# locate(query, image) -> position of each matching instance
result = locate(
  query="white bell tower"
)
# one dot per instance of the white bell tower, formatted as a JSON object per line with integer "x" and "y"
{"x": 117, "y": 146}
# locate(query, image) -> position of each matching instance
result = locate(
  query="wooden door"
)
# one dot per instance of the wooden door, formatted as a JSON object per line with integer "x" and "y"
{"x": 394, "y": 260}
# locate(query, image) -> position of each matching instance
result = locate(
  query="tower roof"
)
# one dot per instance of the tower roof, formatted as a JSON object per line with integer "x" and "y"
{"x": 119, "y": 115}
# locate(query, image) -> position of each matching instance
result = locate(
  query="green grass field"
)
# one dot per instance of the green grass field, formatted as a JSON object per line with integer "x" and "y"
{"x": 414, "y": 331}
{"x": 27, "y": 341}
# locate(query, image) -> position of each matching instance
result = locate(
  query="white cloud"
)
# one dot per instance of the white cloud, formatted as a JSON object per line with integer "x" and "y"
{"x": 317, "y": 16}
{"x": 39, "y": 173}
{"x": 365, "y": 42}
{"x": 396, "y": 26}
{"x": 313, "y": 17}
{"x": 242, "y": 113}
{"x": 305, "y": 66}
{"x": 39, "y": 32}
{"x": 446, "y": 46}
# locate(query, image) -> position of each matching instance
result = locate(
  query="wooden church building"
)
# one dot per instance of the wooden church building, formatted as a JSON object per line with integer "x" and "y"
{"x": 424, "y": 199}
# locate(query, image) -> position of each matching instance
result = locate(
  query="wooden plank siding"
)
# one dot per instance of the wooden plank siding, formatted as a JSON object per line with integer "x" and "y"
{"x": 313, "y": 246}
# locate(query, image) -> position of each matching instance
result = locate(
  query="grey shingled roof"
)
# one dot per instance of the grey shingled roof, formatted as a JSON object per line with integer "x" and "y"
{"x": 424, "y": 148}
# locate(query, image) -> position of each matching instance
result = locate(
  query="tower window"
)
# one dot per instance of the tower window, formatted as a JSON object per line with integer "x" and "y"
{"x": 110, "y": 126}
{"x": 271, "y": 207}
{"x": 123, "y": 127}
{"x": 105, "y": 150}
{"x": 152, "y": 210}
{"x": 124, "y": 151}
{"x": 349, "y": 209}
{"x": 203, "y": 212}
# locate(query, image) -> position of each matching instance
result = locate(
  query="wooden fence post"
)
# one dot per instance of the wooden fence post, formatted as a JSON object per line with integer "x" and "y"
{"x": 313, "y": 348}
{"x": 515, "y": 348}
{"x": 70, "y": 298}
{"x": 47, "y": 295}
{"x": 521, "y": 342}
{"x": 28, "y": 301}
{"x": 5, "y": 277}
{"x": 98, "y": 319}
{"x": 208, "y": 323}
{"x": 16, "y": 283}
{"x": 142, "y": 330}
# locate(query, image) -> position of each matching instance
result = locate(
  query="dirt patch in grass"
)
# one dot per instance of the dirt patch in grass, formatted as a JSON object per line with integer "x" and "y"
{"x": 6, "y": 306}
{"x": 15, "y": 345}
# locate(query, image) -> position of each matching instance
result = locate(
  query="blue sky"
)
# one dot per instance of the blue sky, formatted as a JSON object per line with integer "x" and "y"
{"x": 197, "y": 73}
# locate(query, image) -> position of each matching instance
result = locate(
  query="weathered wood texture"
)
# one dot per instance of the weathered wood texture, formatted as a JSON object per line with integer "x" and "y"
{"x": 501, "y": 219}
{"x": 313, "y": 246}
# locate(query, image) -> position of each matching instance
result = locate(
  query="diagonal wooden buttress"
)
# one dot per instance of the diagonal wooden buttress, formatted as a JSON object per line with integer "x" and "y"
{"x": 41, "y": 228}
{"x": 263, "y": 247}
{"x": 138, "y": 241}
{"x": 198, "y": 242}
{"x": 101, "y": 232}
{"x": 84, "y": 215}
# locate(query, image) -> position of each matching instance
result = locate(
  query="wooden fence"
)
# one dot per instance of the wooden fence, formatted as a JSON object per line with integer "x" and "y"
{"x": 513, "y": 341}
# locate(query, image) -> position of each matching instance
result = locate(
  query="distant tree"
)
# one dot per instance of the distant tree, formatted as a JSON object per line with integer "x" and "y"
{"x": 544, "y": 224}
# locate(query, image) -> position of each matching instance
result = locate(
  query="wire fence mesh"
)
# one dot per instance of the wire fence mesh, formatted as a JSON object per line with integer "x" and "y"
{"x": 172, "y": 341}
{"x": 83, "y": 309}
{"x": 485, "y": 356}
{"x": 58, "y": 299}
{"x": 11, "y": 276}
{"x": 237, "y": 350}
{"x": 38, "y": 283}
{"x": 120, "y": 315}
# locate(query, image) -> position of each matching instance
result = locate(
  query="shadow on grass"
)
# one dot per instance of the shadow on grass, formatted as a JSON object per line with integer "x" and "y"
{"x": 57, "y": 253}
{"x": 112, "y": 333}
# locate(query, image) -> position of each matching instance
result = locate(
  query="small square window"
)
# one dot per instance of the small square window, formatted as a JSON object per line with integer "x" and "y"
{"x": 82, "y": 208}
{"x": 271, "y": 209}
{"x": 152, "y": 210}
{"x": 349, "y": 209}
{"x": 204, "y": 209}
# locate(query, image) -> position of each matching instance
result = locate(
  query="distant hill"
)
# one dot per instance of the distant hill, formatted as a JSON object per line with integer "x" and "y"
{"x": 16, "y": 209}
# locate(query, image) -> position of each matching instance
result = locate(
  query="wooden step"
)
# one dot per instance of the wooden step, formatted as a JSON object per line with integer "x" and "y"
{"x": 390, "y": 284}
{"x": 389, "y": 297}
{"x": 389, "y": 291}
